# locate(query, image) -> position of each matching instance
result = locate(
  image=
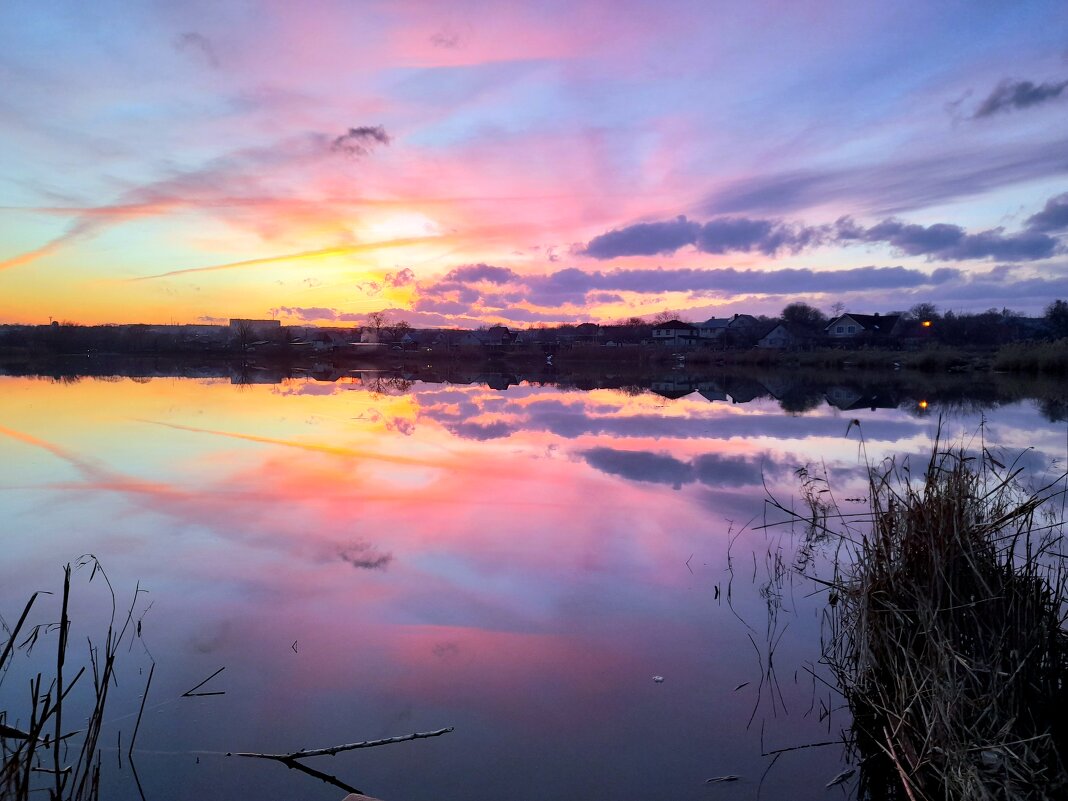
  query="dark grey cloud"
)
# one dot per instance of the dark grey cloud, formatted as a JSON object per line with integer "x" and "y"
{"x": 1009, "y": 95}
{"x": 483, "y": 431}
{"x": 361, "y": 141}
{"x": 473, "y": 273}
{"x": 895, "y": 185}
{"x": 199, "y": 43}
{"x": 730, "y": 471}
{"x": 741, "y": 234}
{"x": 944, "y": 242}
{"x": 1053, "y": 217}
{"x": 644, "y": 466}
{"x": 711, "y": 469}
{"x": 723, "y": 235}
{"x": 644, "y": 239}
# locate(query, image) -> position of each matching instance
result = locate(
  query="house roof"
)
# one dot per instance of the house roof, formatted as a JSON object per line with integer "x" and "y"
{"x": 743, "y": 320}
{"x": 878, "y": 323}
{"x": 715, "y": 323}
{"x": 674, "y": 325}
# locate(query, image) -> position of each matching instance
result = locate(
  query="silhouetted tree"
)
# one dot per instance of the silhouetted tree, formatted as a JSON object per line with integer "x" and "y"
{"x": 803, "y": 314}
{"x": 399, "y": 329}
{"x": 924, "y": 311}
{"x": 1057, "y": 318}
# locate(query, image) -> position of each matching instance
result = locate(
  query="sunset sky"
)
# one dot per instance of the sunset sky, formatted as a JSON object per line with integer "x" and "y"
{"x": 460, "y": 163}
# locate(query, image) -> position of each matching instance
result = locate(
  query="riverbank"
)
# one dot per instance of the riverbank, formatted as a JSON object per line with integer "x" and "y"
{"x": 1036, "y": 358}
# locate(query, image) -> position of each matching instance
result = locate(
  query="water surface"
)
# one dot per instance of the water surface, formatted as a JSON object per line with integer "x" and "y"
{"x": 369, "y": 556}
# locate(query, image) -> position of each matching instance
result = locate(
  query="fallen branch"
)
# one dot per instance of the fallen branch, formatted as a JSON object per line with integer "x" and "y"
{"x": 337, "y": 749}
{"x": 292, "y": 761}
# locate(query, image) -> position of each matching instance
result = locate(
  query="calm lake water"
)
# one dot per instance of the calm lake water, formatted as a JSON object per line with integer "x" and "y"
{"x": 369, "y": 557}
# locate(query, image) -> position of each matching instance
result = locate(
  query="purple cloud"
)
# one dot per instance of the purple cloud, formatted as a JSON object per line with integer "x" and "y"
{"x": 570, "y": 286}
{"x": 308, "y": 313}
{"x": 400, "y": 278}
{"x": 473, "y": 273}
{"x": 941, "y": 241}
{"x": 1053, "y": 217}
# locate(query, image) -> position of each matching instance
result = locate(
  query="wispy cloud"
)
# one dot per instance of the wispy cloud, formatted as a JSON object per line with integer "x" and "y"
{"x": 361, "y": 141}
{"x": 892, "y": 185}
{"x": 229, "y": 180}
{"x": 340, "y": 250}
{"x": 200, "y": 44}
{"x": 1012, "y": 95}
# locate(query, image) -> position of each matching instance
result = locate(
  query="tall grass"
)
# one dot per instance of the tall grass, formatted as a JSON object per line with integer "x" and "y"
{"x": 947, "y": 636}
{"x": 1034, "y": 357}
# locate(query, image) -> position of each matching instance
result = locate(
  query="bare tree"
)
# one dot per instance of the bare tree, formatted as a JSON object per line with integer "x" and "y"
{"x": 243, "y": 334}
{"x": 374, "y": 323}
{"x": 924, "y": 311}
{"x": 665, "y": 317}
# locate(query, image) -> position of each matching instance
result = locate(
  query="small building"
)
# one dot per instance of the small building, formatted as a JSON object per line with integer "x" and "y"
{"x": 786, "y": 336}
{"x": 862, "y": 326}
{"x": 676, "y": 334}
{"x": 495, "y": 336}
{"x": 588, "y": 333}
{"x": 714, "y": 328}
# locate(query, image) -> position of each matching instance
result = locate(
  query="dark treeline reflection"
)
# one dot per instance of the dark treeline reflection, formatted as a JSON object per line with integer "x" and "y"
{"x": 796, "y": 390}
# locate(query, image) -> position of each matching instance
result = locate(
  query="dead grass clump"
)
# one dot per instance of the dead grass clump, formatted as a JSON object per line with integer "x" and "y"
{"x": 947, "y": 637}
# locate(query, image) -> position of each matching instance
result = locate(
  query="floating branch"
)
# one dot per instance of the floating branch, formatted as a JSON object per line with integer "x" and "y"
{"x": 292, "y": 760}
{"x": 337, "y": 749}
{"x": 192, "y": 692}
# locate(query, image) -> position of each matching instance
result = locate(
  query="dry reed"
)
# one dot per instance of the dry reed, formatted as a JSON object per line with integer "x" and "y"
{"x": 946, "y": 633}
{"x": 37, "y": 754}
